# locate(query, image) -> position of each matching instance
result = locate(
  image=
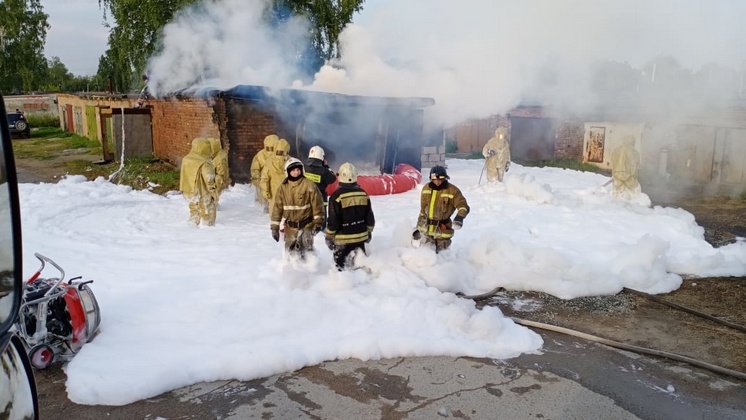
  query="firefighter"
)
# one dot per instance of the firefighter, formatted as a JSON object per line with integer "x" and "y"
{"x": 257, "y": 164}
{"x": 625, "y": 161}
{"x": 497, "y": 153}
{"x": 317, "y": 170}
{"x": 350, "y": 223}
{"x": 197, "y": 183}
{"x": 220, "y": 162}
{"x": 438, "y": 201}
{"x": 273, "y": 172}
{"x": 298, "y": 201}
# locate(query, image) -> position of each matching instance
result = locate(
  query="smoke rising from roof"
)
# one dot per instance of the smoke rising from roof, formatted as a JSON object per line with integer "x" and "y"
{"x": 478, "y": 57}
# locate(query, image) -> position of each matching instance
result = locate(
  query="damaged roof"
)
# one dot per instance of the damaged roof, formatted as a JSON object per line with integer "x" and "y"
{"x": 301, "y": 98}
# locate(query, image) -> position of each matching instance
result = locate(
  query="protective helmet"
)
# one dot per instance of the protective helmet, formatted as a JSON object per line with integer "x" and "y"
{"x": 438, "y": 172}
{"x": 347, "y": 173}
{"x": 293, "y": 163}
{"x": 316, "y": 152}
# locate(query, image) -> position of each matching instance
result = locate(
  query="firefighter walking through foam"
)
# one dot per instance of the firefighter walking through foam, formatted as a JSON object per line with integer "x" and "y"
{"x": 497, "y": 153}
{"x": 438, "y": 201}
{"x": 197, "y": 183}
{"x": 298, "y": 201}
{"x": 317, "y": 170}
{"x": 351, "y": 220}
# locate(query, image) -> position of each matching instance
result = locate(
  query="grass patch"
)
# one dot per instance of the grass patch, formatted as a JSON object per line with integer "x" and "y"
{"x": 565, "y": 164}
{"x": 48, "y": 144}
{"x": 141, "y": 173}
{"x": 49, "y": 132}
{"x": 43, "y": 121}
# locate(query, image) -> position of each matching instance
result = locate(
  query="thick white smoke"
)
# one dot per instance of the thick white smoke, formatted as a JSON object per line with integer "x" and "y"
{"x": 475, "y": 57}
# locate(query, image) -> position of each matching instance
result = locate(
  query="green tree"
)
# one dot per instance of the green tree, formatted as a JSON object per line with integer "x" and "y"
{"x": 23, "y": 30}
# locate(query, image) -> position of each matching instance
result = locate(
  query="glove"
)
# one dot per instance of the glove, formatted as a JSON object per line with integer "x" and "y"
{"x": 416, "y": 235}
{"x": 276, "y": 234}
{"x": 314, "y": 228}
{"x": 330, "y": 242}
{"x": 507, "y": 166}
{"x": 491, "y": 153}
{"x": 458, "y": 221}
{"x": 370, "y": 237}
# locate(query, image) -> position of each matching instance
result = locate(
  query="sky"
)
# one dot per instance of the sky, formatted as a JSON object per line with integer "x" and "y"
{"x": 77, "y": 35}
{"x": 476, "y": 58}
{"x": 183, "y": 304}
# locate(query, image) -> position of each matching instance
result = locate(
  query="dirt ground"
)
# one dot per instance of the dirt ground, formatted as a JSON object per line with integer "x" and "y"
{"x": 625, "y": 317}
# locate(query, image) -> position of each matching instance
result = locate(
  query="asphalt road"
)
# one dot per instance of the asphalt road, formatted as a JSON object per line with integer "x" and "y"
{"x": 571, "y": 379}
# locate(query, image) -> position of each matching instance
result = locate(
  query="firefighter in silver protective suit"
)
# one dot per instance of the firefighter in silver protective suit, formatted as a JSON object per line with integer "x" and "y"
{"x": 438, "y": 201}
{"x": 625, "y": 161}
{"x": 257, "y": 164}
{"x": 220, "y": 162}
{"x": 197, "y": 183}
{"x": 497, "y": 153}
{"x": 298, "y": 201}
{"x": 273, "y": 172}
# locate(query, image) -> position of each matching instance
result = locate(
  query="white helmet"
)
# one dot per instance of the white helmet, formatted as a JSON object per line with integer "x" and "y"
{"x": 293, "y": 163}
{"x": 316, "y": 152}
{"x": 347, "y": 173}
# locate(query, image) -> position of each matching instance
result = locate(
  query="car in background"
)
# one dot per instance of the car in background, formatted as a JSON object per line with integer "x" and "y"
{"x": 19, "y": 126}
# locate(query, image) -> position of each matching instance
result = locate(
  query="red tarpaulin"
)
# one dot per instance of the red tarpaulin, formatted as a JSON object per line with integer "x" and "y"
{"x": 404, "y": 178}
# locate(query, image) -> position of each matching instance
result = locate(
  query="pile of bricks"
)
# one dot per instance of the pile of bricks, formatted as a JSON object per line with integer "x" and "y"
{"x": 433, "y": 155}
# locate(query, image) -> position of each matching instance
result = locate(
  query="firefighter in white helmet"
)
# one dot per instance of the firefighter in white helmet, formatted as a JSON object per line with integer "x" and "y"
{"x": 350, "y": 223}
{"x": 257, "y": 164}
{"x": 497, "y": 153}
{"x": 317, "y": 170}
{"x": 298, "y": 201}
{"x": 197, "y": 183}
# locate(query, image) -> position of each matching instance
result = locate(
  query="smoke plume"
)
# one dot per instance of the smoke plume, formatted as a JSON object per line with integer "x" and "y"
{"x": 477, "y": 57}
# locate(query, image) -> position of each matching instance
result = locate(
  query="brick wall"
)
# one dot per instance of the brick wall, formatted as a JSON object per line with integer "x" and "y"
{"x": 569, "y": 140}
{"x": 245, "y": 126}
{"x": 177, "y": 122}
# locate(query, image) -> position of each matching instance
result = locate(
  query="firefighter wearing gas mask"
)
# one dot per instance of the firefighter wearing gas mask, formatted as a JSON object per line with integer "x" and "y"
{"x": 273, "y": 172}
{"x": 197, "y": 183}
{"x": 220, "y": 162}
{"x": 298, "y": 201}
{"x": 439, "y": 200}
{"x": 257, "y": 164}
{"x": 497, "y": 153}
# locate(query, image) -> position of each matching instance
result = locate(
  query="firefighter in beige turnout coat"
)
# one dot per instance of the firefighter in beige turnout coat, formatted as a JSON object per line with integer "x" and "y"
{"x": 298, "y": 201}
{"x": 439, "y": 199}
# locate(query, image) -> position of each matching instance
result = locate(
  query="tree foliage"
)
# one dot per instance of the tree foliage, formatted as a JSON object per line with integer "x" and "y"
{"x": 136, "y": 27}
{"x": 23, "y": 30}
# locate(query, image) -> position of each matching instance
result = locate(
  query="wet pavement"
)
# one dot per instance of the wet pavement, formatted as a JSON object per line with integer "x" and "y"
{"x": 571, "y": 379}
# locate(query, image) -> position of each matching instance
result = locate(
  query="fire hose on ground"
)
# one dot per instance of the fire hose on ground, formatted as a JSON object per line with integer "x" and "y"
{"x": 630, "y": 347}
